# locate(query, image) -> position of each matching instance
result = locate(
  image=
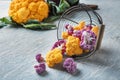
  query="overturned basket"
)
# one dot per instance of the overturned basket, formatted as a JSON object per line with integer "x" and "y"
{"x": 79, "y": 13}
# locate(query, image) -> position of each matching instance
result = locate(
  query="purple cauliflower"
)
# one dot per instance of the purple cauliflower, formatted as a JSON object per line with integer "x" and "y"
{"x": 60, "y": 43}
{"x": 69, "y": 29}
{"x": 88, "y": 40}
{"x": 70, "y": 65}
{"x": 40, "y": 68}
{"x": 77, "y": 33}
{"x": 39, "y": 58}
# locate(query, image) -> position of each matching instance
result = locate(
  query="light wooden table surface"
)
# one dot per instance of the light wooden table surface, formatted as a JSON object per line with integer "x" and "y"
{"x": 18, "y": 47}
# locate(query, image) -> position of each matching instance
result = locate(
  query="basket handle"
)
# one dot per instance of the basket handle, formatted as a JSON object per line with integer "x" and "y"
{"x": 100, "y": 37}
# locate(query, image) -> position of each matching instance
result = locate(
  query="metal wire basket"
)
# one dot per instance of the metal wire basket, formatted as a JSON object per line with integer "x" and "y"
{"x": 79, "y": 13}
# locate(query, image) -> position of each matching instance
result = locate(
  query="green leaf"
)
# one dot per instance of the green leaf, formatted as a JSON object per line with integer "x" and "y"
{"x": 73, "y": 2}
{"x": 51, "y": 18}
{"x": 52, "y": 6}
{"x": 63, "y": 6}
{"x": 6, "y": 20}
{"x": 58, "y": 9}
{"x": 2, "y": 25}
{"x": 42, "y": 26}
{"x": 54, "y": 9}
{"x": 32, "y": 21}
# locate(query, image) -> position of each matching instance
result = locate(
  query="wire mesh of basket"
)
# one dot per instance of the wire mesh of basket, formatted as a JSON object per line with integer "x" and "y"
{"x": 79, "y": 13}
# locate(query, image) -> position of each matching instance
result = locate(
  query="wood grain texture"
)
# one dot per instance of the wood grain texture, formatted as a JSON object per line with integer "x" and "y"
{"x": 18, "y": 47}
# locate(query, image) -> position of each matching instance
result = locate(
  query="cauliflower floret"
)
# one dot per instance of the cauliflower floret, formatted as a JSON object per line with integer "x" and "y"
{"x": 23, "y": 10}
{"x": 72, "y": 46}
{"x": 53, "y": 57}
{"x": 65, "y": 35}
{"x": 80, "y": 26}
{"x": 23, "y": 14}
{"x": 95, "y": 29}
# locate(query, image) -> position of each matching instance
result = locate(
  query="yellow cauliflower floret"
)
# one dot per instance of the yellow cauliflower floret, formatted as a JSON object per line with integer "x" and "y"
{"x": 72, "y": 46}
{"x": 23, "y": 10}
{"x": 65, "y": 35}
{"x": 80, "y": 26}
{"x": 32, "y": 7}
{"x": 22, "y": 14}
{"x": 24, "y": 4}
{"x": 95, "y": 29}
{"x": 53, "y": 57}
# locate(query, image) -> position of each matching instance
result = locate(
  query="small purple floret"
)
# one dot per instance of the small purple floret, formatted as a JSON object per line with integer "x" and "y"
{"x": 40, "y": 68}
{"x": 39, "y": 58}
{"x": 70, "y": 65}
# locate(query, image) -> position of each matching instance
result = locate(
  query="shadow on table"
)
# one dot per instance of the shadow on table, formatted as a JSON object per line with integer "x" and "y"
{"x": 101, "y": 58}
{"x": 43, "y": 74}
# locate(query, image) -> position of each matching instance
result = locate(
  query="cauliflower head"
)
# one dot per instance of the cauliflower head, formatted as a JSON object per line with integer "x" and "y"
{"x": 72, "y": 46}
{"x": 23, "y": 10}
{"x": 54, "y": 57}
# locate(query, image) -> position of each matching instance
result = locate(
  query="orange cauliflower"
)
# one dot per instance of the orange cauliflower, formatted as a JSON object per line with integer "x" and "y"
{"x": 23, "y": 10}
{"x": 65, "y": 35}
{"x": 53, "y": 57}
{"x": 80, "y": 26}
{"x": 72, "y": 46}
{"x": 95, "y": 29}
